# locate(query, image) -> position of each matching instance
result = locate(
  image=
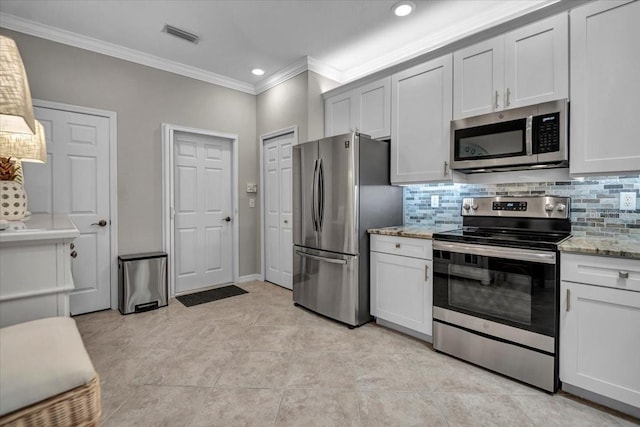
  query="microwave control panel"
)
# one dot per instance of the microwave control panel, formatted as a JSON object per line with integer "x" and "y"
{"x": 546, "y": 133}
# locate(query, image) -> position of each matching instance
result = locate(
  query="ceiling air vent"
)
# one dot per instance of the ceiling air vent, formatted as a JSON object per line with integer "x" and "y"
{"x": 184, "y": 35}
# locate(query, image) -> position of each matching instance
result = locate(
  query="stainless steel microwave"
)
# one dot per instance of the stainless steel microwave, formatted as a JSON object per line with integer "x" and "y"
{"x": 521, "y": 138}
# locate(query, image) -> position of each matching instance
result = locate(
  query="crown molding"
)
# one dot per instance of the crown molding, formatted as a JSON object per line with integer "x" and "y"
{"x": 306, "y": 63}
{"x": 472, "y": 26}
{"x": 32, "y": 28}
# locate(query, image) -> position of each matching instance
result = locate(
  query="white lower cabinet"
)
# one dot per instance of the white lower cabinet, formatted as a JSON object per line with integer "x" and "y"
{"x": 600, "y": 326}
{"x": 401, "y": 282}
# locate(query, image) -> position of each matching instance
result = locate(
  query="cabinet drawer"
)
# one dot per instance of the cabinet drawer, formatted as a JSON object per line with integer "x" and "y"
{"x": 403, "y": 246}
{"x": 620, "y": 273}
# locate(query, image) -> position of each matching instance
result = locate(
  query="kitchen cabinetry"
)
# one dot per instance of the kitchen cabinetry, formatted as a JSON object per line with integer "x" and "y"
{"x": 401, "y": 282}
{"x": 35, "y": 268}
{"x": 421, "y": 116}
{"x": 605, "y": 89}
{"x": 366, "y": 109}
{"x": 599, "y": 332}
{"x": 523, "y": 67}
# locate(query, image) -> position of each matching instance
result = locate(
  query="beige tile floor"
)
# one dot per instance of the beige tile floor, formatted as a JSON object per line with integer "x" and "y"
{"x": 255, "y": 359}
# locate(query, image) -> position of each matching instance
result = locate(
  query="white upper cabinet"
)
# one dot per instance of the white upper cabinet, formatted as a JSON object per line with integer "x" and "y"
{"x": 338, "y": 114}
{"x": 365, "y": 109}
{"x": 605, "y": 88}
{"x": 421, "y": 106}
{"x": 523, "y": 67}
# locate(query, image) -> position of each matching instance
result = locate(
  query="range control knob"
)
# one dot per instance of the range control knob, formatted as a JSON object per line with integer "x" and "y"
{"x": 548, "y": 207}
{"x": 561, "y": 207}
{"x": 466, "y": 206}
{"x": 474, "y": 207}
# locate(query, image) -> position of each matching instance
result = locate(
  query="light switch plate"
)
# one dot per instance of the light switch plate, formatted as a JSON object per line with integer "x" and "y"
{"x": 252, "y": 187}
{"x": 435, "y": 201}
{"x": 627, "y": 201}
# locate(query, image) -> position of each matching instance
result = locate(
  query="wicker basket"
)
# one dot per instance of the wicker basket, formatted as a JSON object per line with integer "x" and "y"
{"x": 77, "y": 407}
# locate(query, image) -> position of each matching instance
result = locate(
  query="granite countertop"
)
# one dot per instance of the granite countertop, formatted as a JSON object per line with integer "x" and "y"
{"x": 619, "y": 246}
{"x": 415, "y": 231}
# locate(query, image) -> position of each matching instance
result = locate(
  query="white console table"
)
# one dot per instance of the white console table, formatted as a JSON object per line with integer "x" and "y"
{"x": 35, "y": 268}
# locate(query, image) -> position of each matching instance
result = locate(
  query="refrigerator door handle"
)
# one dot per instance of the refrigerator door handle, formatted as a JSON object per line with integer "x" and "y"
{"x": 321, "y": 258}
{"x": 321, "y": 196}
{"x": 314, "y": 203}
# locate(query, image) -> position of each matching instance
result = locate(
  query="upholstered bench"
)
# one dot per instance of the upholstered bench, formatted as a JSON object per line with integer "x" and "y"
{"x": 46, "y": 375}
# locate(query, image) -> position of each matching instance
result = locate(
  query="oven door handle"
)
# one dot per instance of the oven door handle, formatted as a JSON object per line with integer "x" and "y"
{"x": 497, "y": 252}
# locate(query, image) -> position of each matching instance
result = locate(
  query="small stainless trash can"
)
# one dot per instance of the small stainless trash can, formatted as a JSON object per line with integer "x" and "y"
{"x": 142, "y": 282}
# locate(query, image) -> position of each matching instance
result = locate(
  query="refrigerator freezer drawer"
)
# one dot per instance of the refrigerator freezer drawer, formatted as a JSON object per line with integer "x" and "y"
{"x": 327, "y": 283}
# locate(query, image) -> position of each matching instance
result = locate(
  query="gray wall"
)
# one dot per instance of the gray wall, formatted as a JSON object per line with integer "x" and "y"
{"x": 144, "y": 98}
{"x": 297, "y": 101}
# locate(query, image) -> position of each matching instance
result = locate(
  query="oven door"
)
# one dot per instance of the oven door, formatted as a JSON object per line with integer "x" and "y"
{"x": 505, "y": 286}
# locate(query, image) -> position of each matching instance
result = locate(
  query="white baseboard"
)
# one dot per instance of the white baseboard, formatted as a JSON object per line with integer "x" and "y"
{"x": 250, "y": 278}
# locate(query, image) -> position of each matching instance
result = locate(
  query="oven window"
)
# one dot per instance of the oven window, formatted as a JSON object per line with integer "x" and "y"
{"x": 516, "y": 293}
{"x": 491, "y": 141}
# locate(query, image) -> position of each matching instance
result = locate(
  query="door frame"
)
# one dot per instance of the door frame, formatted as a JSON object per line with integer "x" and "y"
{"x": 263, "y": 138}
{"x": 112, "y": 116}
{"x": 168, "y": 181}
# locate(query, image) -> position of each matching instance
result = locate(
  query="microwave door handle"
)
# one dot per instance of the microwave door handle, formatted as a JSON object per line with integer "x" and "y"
{"x": 529, "y": 136}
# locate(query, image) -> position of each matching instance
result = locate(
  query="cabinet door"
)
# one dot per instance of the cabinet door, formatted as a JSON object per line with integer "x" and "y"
{"x": 421, "y": 109}
{"x": 605, "y": 88}
{"x": 600, "y": 340}
{"x": 338, "y": 114}
{"x": 478, "y": 78}
{"x": 537, "y": 62}
{"x": 373, "y": 108}
{"x": 401, "y": 291}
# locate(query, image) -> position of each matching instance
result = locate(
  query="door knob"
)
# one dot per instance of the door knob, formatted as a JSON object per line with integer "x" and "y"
{"x": 286, "y": 222}
{"x": 101, "y": 223}
{"x": 73, "y": 254}
{"x": 228, "y": 219}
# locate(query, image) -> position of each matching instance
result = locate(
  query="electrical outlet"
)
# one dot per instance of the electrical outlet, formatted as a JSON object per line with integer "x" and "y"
{"x": 435, "y": 201}
{"x": 627, "y": 201}
{"x": 252, "y": 203}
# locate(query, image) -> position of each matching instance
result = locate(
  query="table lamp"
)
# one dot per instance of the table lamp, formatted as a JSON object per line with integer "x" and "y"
{"x": 14, "y": 149}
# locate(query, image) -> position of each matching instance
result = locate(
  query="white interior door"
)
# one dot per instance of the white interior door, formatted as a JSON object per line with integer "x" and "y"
{"x": 203, "y": 211}
{"x": 278, "y": 210}
{"x": 75, "y": 181}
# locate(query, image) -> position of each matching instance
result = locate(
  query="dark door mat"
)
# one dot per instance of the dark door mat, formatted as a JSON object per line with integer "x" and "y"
{"x": 210, "y": 295}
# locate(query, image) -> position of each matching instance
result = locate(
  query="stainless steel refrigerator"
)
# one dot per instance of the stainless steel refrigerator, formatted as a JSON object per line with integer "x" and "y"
{"x": 340, "y": 189}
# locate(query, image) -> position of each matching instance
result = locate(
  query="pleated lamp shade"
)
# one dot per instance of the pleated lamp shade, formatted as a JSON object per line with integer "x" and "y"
{"x": 16, "y": 110}
{"x": 27, "y": 148}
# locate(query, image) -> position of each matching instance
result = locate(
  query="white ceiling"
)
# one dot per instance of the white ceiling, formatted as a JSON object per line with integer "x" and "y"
{"x": 341, "y": 39}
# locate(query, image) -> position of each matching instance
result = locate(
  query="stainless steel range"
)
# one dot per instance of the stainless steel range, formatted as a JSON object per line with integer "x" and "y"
{"x": 496, "y": 286}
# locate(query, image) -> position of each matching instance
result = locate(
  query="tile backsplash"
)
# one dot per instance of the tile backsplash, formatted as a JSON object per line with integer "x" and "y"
{"x": 595, "y": 202}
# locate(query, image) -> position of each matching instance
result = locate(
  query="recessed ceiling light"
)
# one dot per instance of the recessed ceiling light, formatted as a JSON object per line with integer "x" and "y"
{"x": 257, "y": 71}
{"x": 403, "y": 8}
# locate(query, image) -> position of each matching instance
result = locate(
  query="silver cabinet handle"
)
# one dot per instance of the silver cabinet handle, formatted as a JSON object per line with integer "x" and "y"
{"x": 426, "y": 273}
{"x": 568, "y": 300}
{"x": 623, "y": 274}
{"x": 446, "y": 165}
{"x": 508, "y": 101}
{"x": 397, "y": 245}
{"x": 496, "y": 103}
{"x": 321, "y": 258}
